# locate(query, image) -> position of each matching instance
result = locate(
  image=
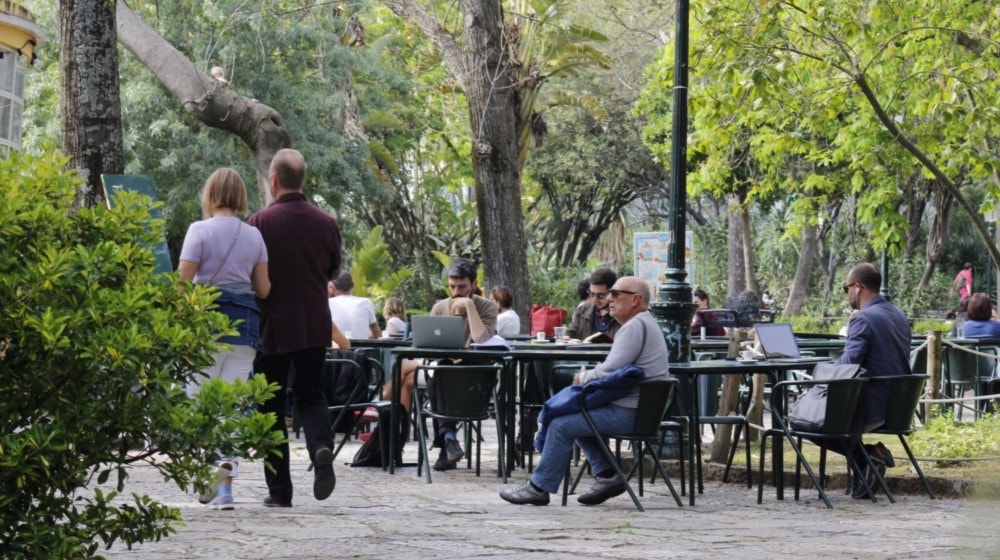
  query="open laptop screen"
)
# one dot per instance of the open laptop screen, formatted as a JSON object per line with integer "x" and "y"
{"x": 777, "y": 340}
{"x": 438, "y": 331}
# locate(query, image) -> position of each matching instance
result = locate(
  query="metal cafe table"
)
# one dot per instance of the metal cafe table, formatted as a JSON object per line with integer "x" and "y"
{"x": 691, "y": 370}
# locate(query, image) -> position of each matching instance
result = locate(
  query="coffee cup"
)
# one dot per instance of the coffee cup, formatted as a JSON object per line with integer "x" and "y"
{"x": 540, "y": 336}
{"x": 746, "y": 355}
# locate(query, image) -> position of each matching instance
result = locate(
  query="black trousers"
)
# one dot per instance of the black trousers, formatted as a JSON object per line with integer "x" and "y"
{"x": 307, "y": 391}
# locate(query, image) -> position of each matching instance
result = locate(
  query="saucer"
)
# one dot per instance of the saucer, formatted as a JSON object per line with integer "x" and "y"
{"x": 747, "y": 361}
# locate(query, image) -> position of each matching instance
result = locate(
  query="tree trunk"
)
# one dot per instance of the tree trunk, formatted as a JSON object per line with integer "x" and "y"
{"x": 736, "y": 279}
{"x": 90, "y": 104}
{"x": 260, "y": 127}
{"x": 937, "y": 235}
{"x": 803, "y": 271}
{"x": 494, "y": 118}
{"x": 746, "y": 233}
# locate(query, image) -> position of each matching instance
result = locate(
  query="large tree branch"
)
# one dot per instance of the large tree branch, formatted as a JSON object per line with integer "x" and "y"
{"x": 443, "y": 39}
{"x": 259, "y": 126}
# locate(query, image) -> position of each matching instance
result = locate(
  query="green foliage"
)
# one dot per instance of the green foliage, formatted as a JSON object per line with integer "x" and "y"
{"x": 923, "y": 326}
{"x": 945, "y": 438}
{"x": 555, "y": 285}
{"x": 372, "y": 269}
{"x": 94, "y": 353}
{"x": 813, "y": 325}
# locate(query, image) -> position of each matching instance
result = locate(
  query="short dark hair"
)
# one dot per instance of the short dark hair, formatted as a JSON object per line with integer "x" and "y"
{"x": 867, "y": 275}
{"x": 604, "y": 277}
{"x": 980, "y": 308}
{"x": 967, "y": 266}
{"x": 344, "y": 281}
{"x": 583, "y": 289}
{"x": 503, "y": 296}
{"x": 702, "y": 294}
{"x": 462, "y": 268}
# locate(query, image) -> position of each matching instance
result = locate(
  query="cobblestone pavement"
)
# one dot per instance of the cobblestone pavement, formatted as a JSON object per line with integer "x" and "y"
{"x": 374, "y": 515}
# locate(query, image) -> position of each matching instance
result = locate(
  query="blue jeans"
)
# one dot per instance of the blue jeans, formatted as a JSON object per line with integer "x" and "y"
{"x": 564, "y": 430}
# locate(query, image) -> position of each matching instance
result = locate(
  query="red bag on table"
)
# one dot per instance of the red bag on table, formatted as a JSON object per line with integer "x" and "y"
{"x": 545, "y": 318}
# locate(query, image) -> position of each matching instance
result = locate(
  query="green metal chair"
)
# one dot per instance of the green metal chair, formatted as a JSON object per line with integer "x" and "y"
{"x": 465, "y": 395}
{"x": 654, "y": 398}
{"x": 843, "y": 399}
{"x": 904, "y": 397}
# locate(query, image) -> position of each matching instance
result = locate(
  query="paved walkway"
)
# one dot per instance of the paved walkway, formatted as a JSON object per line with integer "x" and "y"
{"x": 374, "y": 515}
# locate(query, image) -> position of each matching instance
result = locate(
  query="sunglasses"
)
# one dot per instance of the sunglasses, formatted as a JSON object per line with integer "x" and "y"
{"x": 596, "y": 295}
{"x": 847, "y": 287}
{"x": 616, "y": 293}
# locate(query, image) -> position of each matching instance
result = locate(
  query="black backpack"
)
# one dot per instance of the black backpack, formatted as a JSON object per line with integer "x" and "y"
{"x": 371, "y": 453}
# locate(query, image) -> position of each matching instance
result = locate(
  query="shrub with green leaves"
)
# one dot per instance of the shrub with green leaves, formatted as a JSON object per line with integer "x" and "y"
{"x": 94, "y": 353}
{"x": 944, "y": 438}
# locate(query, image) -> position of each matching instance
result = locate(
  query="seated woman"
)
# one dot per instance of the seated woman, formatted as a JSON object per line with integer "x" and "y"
{"x": 979, "y": 323}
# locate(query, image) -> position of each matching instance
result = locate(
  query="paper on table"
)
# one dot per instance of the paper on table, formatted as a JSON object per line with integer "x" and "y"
{"x": 495, "y": 342}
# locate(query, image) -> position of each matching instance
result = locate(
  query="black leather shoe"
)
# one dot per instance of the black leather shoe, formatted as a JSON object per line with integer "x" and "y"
{"x": 454, "y": 450}
{"x": 867, "y": 480}
{"x": 880, "y": 452}
{"x": 273, "y": 502}
{"x": 324, "y": 480}
{"x": 443, "y": 464}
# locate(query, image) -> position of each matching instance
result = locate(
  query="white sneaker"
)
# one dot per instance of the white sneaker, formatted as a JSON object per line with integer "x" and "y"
{"x": 224, "y": 503}
{"x": 213, "y": 490}
{"x": 370, "y": 414}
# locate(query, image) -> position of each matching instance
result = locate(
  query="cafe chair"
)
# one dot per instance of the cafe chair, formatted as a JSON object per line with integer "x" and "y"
{"x": 466, "y": 393}
{"x": 352, "y": 382}
{"x": 904, "y": 397}
{"x": 654, "y": 399}
{"x": 843, "y": 400}
{"x": 964, "y": 371}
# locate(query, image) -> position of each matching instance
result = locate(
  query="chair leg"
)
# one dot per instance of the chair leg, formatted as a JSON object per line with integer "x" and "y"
{"x": 809, "y": 471}
{"x": 760, "y": 477}
{"x": 618, "y": 471}
{"x": 798, "y": 474}
{"x": 879, "y": 478}
{"x": 916, "y": 466}
{"x": 663, "y": 473}
{"x": 423, "y": 462}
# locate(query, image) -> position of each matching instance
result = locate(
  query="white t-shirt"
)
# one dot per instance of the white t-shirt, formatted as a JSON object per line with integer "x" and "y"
{"x": 353, "y": 314}
{"x": 508, "y": 323}
{"x": 394, "y": 325}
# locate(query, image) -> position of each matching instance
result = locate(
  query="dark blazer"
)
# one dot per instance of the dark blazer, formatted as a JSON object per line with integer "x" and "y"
{"x": 878, "y": 338}
{"x": 303, "y": 248}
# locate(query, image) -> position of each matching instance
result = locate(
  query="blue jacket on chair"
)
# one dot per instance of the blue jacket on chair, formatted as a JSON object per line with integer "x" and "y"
{"x": 613, "y": 386}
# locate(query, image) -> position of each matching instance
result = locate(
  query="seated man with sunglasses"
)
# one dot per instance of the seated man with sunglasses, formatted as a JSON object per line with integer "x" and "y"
{"x": 594, "y": 315}
{"x": 640, "y": 343}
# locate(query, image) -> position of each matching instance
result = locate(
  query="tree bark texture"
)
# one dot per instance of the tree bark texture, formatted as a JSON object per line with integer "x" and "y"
{"x": 748, "y": 246}
{"x": 736, "y": 279}
{"x": 260, "y": 127}
{"x": 803, "y": 271}
{"x": 90, "y": 104}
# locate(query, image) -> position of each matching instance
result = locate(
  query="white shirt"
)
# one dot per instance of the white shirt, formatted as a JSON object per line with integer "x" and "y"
{"x": 354, "y": 315}
{"x": 508, "y": 322}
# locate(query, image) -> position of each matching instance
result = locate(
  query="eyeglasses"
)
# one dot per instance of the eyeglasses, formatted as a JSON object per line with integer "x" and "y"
{"x": 598, "y": 295}
{"x": 616, "y": 293}
{"x": 847, "y": 287}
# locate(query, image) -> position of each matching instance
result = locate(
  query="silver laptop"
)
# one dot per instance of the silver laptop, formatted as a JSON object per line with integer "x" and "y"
{"x": 430, "y": 331}
{"x": 777, "y": 342}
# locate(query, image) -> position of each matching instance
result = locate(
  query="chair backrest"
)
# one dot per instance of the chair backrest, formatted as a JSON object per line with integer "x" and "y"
{"x": 904, "y": 397}
{"x": 842, "y": 401}
{"x": 918, "y": 360}
{"x": 654, "y": 398}
{"x": 464, "y": 390}
{"x": 347, "y": 377}
{"x": 960, "y": 366}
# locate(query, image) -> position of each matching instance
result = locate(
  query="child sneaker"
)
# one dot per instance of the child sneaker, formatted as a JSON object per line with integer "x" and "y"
{"x": 370, "y": 414}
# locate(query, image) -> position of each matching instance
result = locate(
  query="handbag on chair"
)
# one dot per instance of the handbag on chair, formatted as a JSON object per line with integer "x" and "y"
{"x": 808, "y": 412}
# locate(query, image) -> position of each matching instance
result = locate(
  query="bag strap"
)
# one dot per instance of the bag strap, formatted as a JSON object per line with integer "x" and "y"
{"x": 239, "y": 226}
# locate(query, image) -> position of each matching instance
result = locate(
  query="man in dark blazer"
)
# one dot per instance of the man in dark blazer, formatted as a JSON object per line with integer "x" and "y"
{"x": 295, "y": 319}
{"x": 878, "y": 339}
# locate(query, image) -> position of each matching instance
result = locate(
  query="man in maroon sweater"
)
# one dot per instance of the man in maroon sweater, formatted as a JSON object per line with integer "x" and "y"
{"x": 295, "y": 319}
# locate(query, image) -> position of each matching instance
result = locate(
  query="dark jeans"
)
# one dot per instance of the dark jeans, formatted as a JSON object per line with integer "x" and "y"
{"x": 307, "y": 390}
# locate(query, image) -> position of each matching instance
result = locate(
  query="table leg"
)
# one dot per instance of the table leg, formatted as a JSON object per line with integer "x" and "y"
{"x": 694, "y": 455}
{"x": 394, "y": 420}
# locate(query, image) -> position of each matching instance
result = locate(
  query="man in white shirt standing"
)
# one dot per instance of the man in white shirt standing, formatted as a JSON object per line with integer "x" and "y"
{"x": 352, "y": 314}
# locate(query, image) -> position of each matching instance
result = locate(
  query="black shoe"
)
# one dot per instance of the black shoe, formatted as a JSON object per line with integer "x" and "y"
{"x": 324, "y": 480}
{"x": 454, "y": 450}
{"x": 273, "y": 502}
{"x": 443, "y": 464}
{"x": 880, "y": 452}
{"x": 867, "y": 480}
{"x": 603, "y": 490}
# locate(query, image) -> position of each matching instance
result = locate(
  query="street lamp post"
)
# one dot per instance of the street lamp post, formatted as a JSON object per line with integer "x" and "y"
{"x": 675, "y": 309}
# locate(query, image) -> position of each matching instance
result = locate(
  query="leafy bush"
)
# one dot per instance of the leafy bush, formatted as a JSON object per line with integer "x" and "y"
{"x": 94, "y": 353}
{"x": 943, "y": 437}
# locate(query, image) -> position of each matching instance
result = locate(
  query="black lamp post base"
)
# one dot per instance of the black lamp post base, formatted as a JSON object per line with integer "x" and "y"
{"x": 674, "y": 312}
